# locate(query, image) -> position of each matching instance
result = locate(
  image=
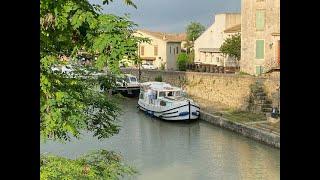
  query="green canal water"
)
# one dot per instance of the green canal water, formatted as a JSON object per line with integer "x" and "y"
{"x": 163, "y": 150}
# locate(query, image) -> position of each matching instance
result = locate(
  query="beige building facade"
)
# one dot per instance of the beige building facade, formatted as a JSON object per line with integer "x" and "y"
{"x": 207, "y": 46}
{"x": 163, "y": 49}
{"x": 260, "y": 36}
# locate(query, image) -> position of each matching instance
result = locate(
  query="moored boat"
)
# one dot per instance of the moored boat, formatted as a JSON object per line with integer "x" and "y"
{"x": 128, "y": 85}
{"x": 167, "y": 102}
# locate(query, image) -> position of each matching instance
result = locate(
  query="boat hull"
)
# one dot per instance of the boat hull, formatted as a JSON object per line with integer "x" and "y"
{"x": 187, "y": 111}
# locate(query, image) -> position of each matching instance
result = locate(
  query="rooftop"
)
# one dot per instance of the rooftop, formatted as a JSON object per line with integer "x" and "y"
{"x": 169, "y": 37}
{"x": 233, "y": 29}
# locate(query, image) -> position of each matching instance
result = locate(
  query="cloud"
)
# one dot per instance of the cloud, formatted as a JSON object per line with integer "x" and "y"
{"x": 171, "y": 15}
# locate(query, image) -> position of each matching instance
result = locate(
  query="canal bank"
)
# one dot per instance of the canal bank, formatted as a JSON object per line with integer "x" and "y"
{"x": 260, "y": 135}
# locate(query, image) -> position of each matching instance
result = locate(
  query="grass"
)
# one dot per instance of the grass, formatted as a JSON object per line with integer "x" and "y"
{"x": 243, "y": 116}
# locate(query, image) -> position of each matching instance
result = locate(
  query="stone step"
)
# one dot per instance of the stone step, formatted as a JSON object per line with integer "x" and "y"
{"x": 266, "y": 109}
{"x": 260, "y": 97}
{"x": 260, "y": 94}
{"x": 261, "y": 101}
{"x": 267, "y": 106}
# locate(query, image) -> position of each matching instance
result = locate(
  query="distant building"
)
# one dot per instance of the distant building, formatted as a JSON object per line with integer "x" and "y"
{"x": 260, "y": 36}
{"x": 207, "y": 46}
{"x": 163, "y": 49}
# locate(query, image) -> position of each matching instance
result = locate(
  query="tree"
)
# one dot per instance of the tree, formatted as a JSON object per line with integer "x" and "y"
{"x": 194, "y": 30}
{"x": 69, "y": 103}
{"x": 182, "y": 61}
{"x": 232, "y": 46}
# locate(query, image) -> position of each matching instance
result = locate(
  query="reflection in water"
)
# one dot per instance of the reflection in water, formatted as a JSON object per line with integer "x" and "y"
{"x": 176, "y": 150}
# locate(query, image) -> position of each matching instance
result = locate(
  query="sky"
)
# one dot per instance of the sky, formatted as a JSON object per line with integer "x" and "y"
{"x": 171, "y": 15}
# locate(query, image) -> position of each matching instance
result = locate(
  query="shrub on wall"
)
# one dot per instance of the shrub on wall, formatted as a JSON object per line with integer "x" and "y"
{"x": 163, "y": 66}
{"x": 158, "y": 78}
{"x": 182, "y": 61}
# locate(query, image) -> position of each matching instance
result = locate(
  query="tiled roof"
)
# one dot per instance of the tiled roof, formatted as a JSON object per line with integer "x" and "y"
{"x": 148, "y": 58}
{"x": 169, "y": 37}
{"x": 233, "y": 29}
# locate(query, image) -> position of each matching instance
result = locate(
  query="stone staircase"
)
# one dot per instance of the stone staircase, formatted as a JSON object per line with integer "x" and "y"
{"x": 258, "y": 101}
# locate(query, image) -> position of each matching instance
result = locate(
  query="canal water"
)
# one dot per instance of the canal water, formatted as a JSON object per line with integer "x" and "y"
{"x": 163, "y": 150}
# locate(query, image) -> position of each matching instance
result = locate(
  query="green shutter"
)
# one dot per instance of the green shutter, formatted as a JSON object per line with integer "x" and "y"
{"x": 259, "y": 70}
{"x": 259, "y": 49}
{"x": 260, "y": 16}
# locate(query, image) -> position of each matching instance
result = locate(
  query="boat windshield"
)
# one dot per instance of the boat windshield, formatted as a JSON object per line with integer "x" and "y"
{"x": 162, "y": 94}
{"x": 127, "y": 79}
{"x": 170, "y": 93}
{"x": 177, "y": 93}
{"x": 133, "y": 79}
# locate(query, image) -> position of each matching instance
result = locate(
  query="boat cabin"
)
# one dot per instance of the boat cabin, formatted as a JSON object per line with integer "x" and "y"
{"x": 160, "y": 94}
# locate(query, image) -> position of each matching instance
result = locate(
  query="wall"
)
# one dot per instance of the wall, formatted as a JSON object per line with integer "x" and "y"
{"x": 214, "y": 36}
{"x": 149, "y": 49}
{"x": 172, "y": 57}
{"x": 251, "y": 132}
{"x": 249, "y": 34}
{"x": 214, "y": 92}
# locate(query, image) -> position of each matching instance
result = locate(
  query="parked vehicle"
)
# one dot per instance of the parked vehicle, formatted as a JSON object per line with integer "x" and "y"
{"x": 147, "y": 66}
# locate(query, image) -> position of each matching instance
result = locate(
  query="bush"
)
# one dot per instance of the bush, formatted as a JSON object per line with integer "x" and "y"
{"x": 182, "y": 61}
{"x": 162, "y": 67}
{"x": 100, "y": 164}
{"x": 158, "y": 78}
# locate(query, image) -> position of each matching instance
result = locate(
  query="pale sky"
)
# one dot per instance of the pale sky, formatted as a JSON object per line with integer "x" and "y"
{"x": 171, "y": 15}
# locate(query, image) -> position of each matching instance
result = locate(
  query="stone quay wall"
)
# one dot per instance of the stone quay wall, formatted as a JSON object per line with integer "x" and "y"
{"x": 214, "y": 92}
{"x": 251, "y": 132}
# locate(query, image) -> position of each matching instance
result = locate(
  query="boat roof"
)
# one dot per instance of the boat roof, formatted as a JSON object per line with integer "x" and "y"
{"x": 130, "y": 75}
{"x": 159, "y": 86}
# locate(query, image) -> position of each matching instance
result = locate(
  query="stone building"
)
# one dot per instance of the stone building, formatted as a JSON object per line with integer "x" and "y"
{"x": 162, "y": 50}
{"x": 207, "y": 46}
{"x": 260, "y": 36}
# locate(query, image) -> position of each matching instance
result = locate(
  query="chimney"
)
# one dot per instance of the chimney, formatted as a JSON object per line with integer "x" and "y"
{"x": 164, "y": 37}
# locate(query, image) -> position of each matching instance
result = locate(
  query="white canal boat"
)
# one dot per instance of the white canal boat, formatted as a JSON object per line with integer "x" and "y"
{"x": 164, "y": 101}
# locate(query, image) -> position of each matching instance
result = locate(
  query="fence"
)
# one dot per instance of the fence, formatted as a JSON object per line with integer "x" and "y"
{"x": 211, "y": 68}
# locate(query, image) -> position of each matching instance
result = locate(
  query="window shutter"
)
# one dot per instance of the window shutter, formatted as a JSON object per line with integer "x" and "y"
{"x": 259, "y": 70}
{"x": 142, "y": 50}
{"x": 156, "y": 50}
{"x": 260, "y": 16}
{"x": 259, "y": 49}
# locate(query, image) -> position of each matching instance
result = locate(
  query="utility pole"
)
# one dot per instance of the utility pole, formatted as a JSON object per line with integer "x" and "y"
{"x": 139, "y": 62}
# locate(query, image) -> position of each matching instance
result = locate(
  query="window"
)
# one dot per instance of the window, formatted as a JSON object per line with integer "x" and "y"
{"x": 177, "y": 93}
{"x": 217, "y": 59}
{"x": 170, "y": 49}
{"x": 127, "y": 79}
{"x": 177, "y": 49}
{"x": 156, "y": 50}
{"x": 162, "y": 94}
{"x": 170, "y": 93}
{"x": 133, "y": 79}
{"x": 142, "y": 50}
{"x": 259, "y": 49}
{"x": 162, "y": 103}
{"x": 260, "y": 17}
{"x": 141, "y": 95}
{"x": 259, "y": 70}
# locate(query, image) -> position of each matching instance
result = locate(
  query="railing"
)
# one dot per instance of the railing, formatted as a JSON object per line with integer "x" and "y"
{"x": 211, "y": 68}
{"x": 272, "y": 64}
